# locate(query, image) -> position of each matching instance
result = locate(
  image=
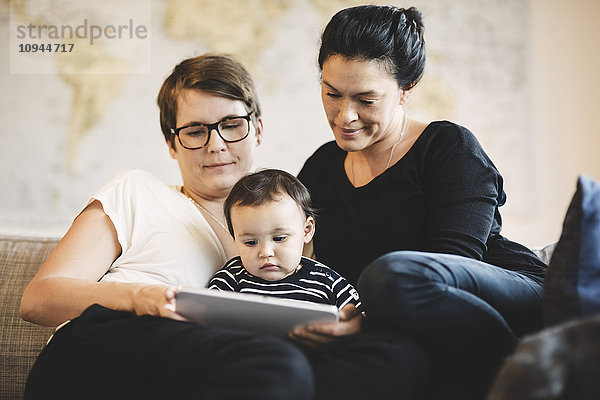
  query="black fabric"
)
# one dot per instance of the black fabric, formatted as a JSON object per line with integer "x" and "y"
{"x": 370, "y": 366}
{"x": 442, "y": 196}
{"x": 106, "y": 354}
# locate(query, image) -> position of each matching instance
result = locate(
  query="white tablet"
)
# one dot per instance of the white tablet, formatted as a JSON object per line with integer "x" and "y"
{"x": 261, "y": 314}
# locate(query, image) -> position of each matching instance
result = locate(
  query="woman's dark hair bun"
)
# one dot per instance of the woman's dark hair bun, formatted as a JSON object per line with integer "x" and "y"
{"x": 386, "y": 33}
{"x": 415, "y": 18}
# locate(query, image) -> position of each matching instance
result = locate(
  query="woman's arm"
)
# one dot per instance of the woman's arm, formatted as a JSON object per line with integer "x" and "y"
{"x": 463, "y": 189}
{"x": 67, "y": 283}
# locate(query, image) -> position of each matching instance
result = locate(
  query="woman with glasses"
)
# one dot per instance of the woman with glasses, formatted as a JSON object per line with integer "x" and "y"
{"x": 114, "y": 273}
{"x": 412, "y": 209}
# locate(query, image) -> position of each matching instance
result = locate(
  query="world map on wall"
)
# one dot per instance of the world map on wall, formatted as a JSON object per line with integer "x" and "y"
{"x": 475, "y": 76}
{"x": 96, "y": 76}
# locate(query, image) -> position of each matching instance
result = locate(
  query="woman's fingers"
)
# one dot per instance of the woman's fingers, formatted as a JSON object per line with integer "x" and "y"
{"x": 341, "y": 328}
{"x": 308, "y": 337}
{"x": 349, "y": 324}
{"x": 348, "y": 312}
{"x": 315, "y": 334}
{"x": 155, "y": 300}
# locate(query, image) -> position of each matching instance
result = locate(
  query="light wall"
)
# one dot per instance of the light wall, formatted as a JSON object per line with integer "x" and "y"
{"x": 565, "y": 60}
{"x": 521, "y": 74}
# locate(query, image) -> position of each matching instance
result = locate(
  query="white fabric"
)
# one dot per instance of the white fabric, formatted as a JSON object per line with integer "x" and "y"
{"x": 163, "y": 236}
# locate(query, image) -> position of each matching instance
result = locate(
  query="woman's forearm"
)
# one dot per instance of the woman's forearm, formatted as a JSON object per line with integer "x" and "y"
{"x": 52, "y": 300}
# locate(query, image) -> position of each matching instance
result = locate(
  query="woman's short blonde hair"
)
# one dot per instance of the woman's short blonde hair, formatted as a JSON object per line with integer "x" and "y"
{"x": 218, "y": 74}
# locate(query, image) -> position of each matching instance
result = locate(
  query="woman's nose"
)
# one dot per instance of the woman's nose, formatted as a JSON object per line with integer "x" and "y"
{"x": 215, "y": 142}
{"x": 346, "y": 113}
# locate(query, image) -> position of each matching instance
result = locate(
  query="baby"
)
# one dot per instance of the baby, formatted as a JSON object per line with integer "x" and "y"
{"x": 270, "y": 217}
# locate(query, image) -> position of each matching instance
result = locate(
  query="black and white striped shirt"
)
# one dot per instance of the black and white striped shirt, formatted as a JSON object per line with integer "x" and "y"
{"x": 312, "y": 282}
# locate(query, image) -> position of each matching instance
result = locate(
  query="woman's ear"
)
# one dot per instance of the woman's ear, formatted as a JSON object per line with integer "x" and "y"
{"x": 309, "y": 229}
{"x": 259, "y": 131}
{"x": 406, "y": 96}
{"x": 172, "y": 151}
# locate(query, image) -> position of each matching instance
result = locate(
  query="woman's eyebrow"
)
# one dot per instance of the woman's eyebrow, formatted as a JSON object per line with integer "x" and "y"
{"x": 195, "y": 122}
{"x": 327, "y": 84}
{"x": 365, "y": 93}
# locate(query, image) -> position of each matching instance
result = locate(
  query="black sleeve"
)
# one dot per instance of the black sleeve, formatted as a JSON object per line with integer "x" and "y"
{"x": 463, "y": 190}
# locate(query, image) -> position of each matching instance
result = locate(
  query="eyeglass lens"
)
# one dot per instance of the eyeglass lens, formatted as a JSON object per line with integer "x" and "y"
{"x": 230, "y": 130}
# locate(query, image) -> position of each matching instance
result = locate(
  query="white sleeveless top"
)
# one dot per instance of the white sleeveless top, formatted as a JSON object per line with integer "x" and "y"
{"x": 163, "y": 237}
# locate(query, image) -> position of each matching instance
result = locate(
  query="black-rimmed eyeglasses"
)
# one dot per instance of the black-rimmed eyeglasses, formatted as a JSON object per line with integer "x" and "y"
{"x": 230, "y": 129}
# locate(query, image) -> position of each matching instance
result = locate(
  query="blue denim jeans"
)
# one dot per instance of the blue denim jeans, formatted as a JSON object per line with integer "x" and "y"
{"x": 466, "y": 314}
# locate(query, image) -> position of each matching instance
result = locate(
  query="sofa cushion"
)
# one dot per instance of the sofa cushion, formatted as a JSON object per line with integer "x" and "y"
{"x": 572, "y": 286}
{"x": 545, "y": 253}
{"x": 20, "y": 341}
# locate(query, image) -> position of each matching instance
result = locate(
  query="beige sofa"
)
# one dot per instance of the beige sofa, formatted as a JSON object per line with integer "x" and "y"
{"x": 20, "y": 341}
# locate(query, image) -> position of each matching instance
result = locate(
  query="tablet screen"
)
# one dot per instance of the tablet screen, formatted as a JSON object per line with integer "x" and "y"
{"x": 260, "y": 314}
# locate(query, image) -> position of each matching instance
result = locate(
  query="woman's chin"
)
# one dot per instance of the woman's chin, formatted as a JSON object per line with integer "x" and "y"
{"x": 220, "y": 186}
{"x": 223, "y": 176}
{"x": 349, "y": 145}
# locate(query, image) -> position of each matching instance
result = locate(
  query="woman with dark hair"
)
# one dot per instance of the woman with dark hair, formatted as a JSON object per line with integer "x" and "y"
{"x": 412, "y": 208}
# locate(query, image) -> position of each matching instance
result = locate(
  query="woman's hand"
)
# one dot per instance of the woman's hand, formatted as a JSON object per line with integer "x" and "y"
{"x": 155, "y": 300}
{"x": 315, "y": 334}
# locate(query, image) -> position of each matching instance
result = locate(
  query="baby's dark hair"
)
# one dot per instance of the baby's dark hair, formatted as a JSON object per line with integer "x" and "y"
{"x": 264, "y": 186}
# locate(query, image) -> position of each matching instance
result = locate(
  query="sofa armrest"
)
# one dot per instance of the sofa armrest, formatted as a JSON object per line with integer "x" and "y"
{"x": 20, "y": 341}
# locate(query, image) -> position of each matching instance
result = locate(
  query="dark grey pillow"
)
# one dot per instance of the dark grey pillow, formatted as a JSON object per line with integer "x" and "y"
{"x": 572, "y": 286}
{"x": 557, "y": 363}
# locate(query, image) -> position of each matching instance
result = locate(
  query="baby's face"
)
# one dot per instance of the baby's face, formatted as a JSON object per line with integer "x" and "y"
{"x": 270, "y": 237}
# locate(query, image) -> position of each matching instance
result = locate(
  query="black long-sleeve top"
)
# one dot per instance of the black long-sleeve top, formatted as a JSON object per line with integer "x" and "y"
{"x": 442, "y": 196}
